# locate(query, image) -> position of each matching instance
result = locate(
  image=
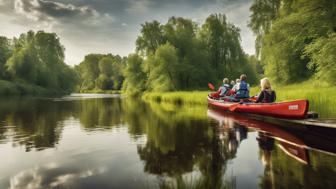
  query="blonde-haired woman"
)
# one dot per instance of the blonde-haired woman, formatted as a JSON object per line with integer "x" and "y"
{"x": 267, "y": 95}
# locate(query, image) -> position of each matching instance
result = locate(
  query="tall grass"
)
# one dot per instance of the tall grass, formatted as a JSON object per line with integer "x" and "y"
{"x": 322, "y": 98}
{"x": 181, "y": 97}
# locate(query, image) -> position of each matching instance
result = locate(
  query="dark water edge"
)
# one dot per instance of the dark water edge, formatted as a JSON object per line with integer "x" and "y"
{"x": 105, "y": 141}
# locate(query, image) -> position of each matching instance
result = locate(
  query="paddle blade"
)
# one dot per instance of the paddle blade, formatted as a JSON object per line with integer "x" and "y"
{"x": 233, "y": 107}
{"x": 210, "y": 85}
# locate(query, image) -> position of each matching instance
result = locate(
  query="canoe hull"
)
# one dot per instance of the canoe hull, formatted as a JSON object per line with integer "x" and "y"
{"x": 288, "y": 110}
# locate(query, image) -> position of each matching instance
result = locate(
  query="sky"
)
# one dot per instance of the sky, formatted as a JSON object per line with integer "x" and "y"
{"x": 111, "y": 26}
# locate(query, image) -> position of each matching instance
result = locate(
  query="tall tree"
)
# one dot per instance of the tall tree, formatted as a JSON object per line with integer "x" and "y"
{"x": 5, "y": 53}
{"x": 163, "y": 76}
{"x": 150, "y": 39}
{"x": 136, "y": 78}
{"x": 222, "y": 40}
{"x": 264, "y": 12}
{"x": 283, "y": 46}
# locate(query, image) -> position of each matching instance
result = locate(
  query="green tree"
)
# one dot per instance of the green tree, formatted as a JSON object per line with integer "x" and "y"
{"x": 165, "y": 69}
{"x": 296, "y": 25}
{"x": 323, "y": 58}
{"x": 38, "y": 59}
{"x": 136, "y": 78}
{"x": 264, "y": 12}
{"x": 151, "y": 38}
{"x": 5, "y": 54}
{"x": 105, "y": 66}
{"x": 222, "y": 40}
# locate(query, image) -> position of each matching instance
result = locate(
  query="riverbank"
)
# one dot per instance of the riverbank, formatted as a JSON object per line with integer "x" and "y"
{"x": 8, "y": 88}
{"x": 100, "y": 91}
{"x": 321, "y": 97}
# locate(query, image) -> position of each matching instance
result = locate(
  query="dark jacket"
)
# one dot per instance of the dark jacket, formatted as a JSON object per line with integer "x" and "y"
{"x": 266, "y": 96}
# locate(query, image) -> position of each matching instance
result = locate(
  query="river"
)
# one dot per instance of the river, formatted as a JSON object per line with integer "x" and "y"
{"x": 106, "y": 141}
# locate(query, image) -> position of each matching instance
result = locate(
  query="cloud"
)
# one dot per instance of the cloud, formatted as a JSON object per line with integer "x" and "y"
{"x": 50, "y": 177}
{"x": 111, "y": 26}
{"x": 43, "y": 10}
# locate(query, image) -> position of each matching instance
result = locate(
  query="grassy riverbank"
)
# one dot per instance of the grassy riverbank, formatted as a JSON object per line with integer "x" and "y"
{"x": 320, "y": 96}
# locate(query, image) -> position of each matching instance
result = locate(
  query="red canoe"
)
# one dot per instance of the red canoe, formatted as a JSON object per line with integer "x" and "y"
{"x": 289, "y": 110}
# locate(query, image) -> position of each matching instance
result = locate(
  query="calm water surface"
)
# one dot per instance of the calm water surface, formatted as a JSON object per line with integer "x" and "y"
{"x": 104, "y": 141}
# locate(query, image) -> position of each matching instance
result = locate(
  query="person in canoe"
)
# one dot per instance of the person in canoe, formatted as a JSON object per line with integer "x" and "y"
{"x": 242, "y": 88}
{"x": 232, "y": 83}
{"x": 225, "y": 88}
{"x": 267, "y": 95}
{"x": 235, "y": 86}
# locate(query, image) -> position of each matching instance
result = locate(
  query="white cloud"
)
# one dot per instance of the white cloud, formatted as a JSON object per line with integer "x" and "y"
{"x": 45, "y": 177}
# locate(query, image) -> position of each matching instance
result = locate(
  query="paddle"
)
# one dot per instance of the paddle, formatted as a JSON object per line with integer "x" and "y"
{"x": 211, "y": 86}
{"x": 233, "y": 107}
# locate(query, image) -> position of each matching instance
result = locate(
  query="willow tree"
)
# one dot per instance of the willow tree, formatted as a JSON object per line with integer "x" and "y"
{"x": 150, "y": 39}
{"x": 222, "y": 40}
{"x": 135, "y": 81}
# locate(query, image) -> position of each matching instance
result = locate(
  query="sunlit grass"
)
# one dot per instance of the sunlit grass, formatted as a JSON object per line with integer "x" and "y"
{"x": 181, "y": 97}
{"x": 321, "y": 97}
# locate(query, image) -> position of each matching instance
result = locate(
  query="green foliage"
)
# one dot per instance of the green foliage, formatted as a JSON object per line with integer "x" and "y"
{"x": 288, "y": 34}
{"x": 100, "y": 72}
{"x": 135, "y": 81}
{"x": 323, "y": 58}
{"x": 151, "y": 38}
{"x": 105, "y": 66}
{"x": 103, "y": 82}
{"x": 36, "y": 59}
{"x": 164, "y": 69}
{"x": 222, "y": 40}
{"x": 5, "y": 54}
{"x": 180, "y": 55}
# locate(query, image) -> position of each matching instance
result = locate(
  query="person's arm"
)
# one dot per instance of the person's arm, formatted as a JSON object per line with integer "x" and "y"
{"x": 260, "y": 97}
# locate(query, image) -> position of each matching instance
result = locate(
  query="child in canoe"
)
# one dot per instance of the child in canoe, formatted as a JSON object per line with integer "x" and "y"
{"x": 267, "y": 95}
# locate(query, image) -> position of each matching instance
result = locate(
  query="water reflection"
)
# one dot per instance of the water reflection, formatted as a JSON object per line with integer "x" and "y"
{"x": 285, "y": 155}
{"x": 110, "y": 142}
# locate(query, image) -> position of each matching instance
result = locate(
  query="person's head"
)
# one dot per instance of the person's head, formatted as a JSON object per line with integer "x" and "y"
{"x": 265, "y": 84}
{"x": 233, "y": 82}
{"x": 243, "y": 77}
{"x": 226, "y": 81}
{"x": 237, "y": 80}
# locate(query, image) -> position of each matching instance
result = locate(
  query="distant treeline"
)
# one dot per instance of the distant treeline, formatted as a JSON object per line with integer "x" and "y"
{"x": 102, "y": 72}
{"x": 296, "y": 40}
{"x": 180, "y": 55}
{"x": 34, "y": 63}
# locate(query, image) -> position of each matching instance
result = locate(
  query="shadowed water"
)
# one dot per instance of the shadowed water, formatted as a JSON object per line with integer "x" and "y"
{"x": 105, "y": 141}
